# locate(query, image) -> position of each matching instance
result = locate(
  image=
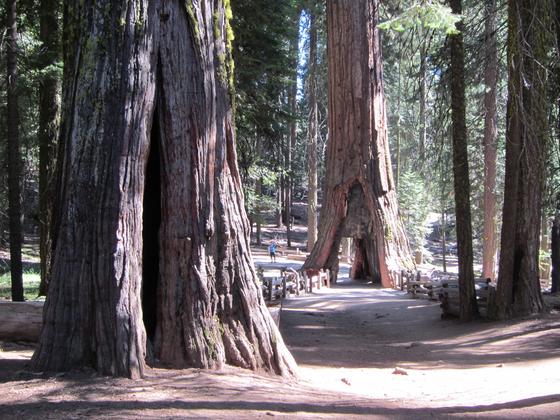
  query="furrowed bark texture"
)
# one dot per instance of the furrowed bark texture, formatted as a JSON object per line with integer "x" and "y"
{"x": 48, "y": 130}
{"x": 489, "y": 244}
{"x": 14, "y": 163}
{"x": 360, "y": 199}
{"x": 518, "y": 291}
{"x": 467, "y": 294}
{"x": 152, "y": 77}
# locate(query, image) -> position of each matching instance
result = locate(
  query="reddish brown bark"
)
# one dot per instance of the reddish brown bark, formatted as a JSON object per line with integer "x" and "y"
{"x": 360, "y": 199}
{"x": 152, "y": 77}
{"x": 489, "y": 244}
{"x": 518, "y": 291}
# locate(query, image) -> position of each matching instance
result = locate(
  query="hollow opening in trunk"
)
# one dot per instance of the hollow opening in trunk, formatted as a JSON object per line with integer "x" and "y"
{"x": 151, "y": 221}
{"x": 360, "y": 265}
{"x": 365, "y": 265}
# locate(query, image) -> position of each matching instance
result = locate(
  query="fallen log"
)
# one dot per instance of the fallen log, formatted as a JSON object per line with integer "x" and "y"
{"x": 20, "y": 321}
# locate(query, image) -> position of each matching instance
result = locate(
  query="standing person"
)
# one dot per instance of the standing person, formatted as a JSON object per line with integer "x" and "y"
{"x": 272, "y": 251}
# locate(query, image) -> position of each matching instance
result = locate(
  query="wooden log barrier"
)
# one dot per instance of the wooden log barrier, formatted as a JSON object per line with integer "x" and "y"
{"x": 20, "y": 321}
{"x": 450, "y": 300}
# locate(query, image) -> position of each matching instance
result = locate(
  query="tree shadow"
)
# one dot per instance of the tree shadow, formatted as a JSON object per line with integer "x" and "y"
{"x": 356, "y": 327}
{"x": 88, "y": 408}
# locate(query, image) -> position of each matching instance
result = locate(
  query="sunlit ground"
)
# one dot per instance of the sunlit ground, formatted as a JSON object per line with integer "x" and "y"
{"x": 355, "y": 338}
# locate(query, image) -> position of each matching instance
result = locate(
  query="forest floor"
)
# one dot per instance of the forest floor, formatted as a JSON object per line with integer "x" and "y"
{"x": 362, "y": 352}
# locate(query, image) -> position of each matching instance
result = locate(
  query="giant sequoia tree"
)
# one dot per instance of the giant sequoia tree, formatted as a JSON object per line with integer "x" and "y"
{"x": 360, "y": 199}
{"x": 150, "y": 221}
{"x": 518, "y": 291}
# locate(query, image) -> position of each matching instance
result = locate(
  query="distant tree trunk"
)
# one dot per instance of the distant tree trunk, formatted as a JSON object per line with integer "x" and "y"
{"x": 555, "y": 231}
{"x": 258, "y": 211}
{"x": 278, "y": 210}
{"x": 312, "y": 127}
{"x": 443, "y": 242}
{"x": 149, "y": 153}
{"x": 468, "y": 304}
{"x": 555, "y": 247}
{"x": 360, "y": 200}
{"x": 14, "y": 154}
{"x": 292, "y": 136}
{"x": 443, "y": 225}
{"x": 489, "y": 243}
{"x": 48, "y": 129}
{"x": 258, "y": 196}
{"x": 518, "y": 291}
{"x": 544, "y": 232}
{"x": 288, "y": 181}
{"x": 398, "y": 124}
{"x": 423, "y": 98}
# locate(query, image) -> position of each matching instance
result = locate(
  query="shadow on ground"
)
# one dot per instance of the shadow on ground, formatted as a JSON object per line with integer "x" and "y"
{"x": 355, "y": 325}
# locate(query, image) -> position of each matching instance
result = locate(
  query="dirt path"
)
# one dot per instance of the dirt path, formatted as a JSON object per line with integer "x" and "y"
{"x": 353, "y": 338}
{"x": 348, "y": 342}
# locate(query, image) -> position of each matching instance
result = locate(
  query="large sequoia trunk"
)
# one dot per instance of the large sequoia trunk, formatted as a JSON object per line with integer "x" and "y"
{"x": 360, "y": 199}
{"x": 518, "y": 291}
{"x": 148, "y": 152}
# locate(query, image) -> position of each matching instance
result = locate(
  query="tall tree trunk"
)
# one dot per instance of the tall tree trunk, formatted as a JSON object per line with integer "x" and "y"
{"x": 423, "y": 97}
{"x": 14, "y": 154}
{"x": 489, "y": 243}
{"x": 258, "y": 211}
{"x": 443, "y": 183}
{"x": 278, "y": 210}
{"x": 443, "y": 241}
{"x": 147, "y": 127}
{"x": 292, "y": 135}
{"x": 555, "y": 231}
{"x": 544, "y": 232}
{"x": 48, "y": 129}
{"x": 360, "y": 199}
{"x": 518, "y": 291}
{"x": 398, "y": 124}
{"x": 468, "y": 304}
{"x": 258, "y": 196}
{"x": 555, "y": 248}
{"x": 312, "y": 124}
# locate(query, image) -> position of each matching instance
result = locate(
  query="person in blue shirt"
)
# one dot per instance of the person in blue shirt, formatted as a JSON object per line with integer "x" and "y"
{"x": 272, "y": 251}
